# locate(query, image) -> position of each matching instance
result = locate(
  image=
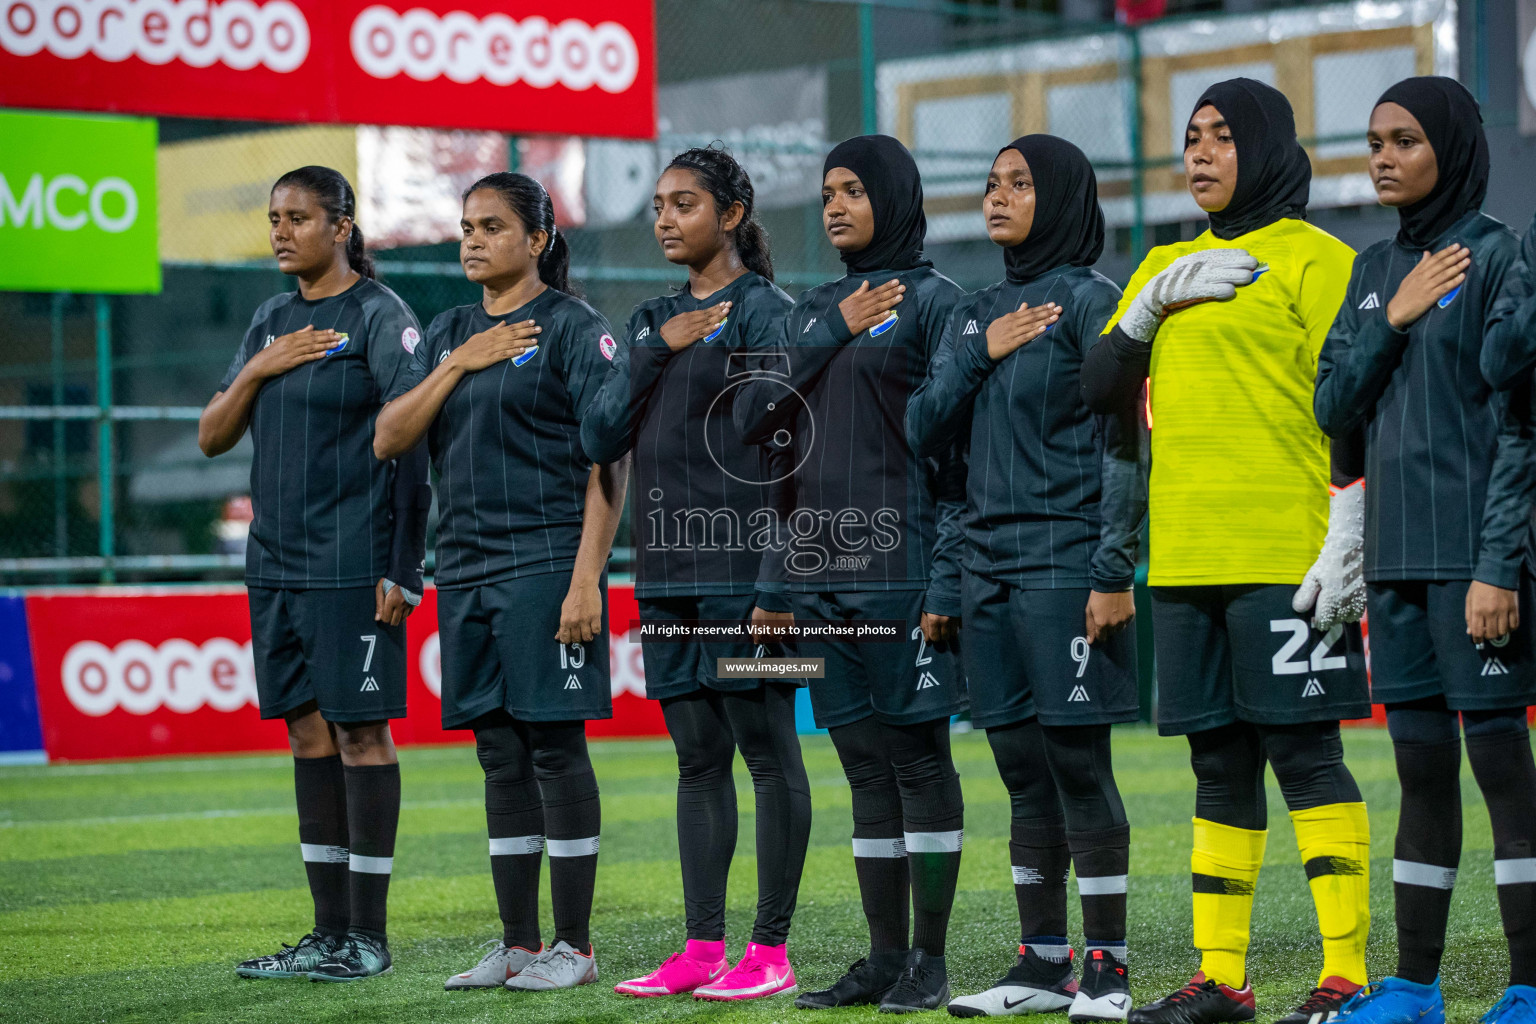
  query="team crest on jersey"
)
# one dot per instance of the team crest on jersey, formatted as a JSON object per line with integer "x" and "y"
{"x": 607, "y": 347}
{"x": 719, "y": 330}
{"x": 971, "y": 328}
{"x": 884, "y": 325}
{"x": 1445, "y": 300}
{"x": 340, "y": 344}
{"x": 1260, "y": 271}
{"x": 527, "y": 355}
{"x": 409, "y": 339}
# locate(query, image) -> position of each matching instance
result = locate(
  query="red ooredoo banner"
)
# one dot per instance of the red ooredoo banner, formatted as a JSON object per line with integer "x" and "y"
{"x": 524, "y": 66}
{"x": 130, "y": 672}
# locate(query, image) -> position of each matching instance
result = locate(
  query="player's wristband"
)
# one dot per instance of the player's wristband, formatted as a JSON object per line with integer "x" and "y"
{"x": 411, "y": 599}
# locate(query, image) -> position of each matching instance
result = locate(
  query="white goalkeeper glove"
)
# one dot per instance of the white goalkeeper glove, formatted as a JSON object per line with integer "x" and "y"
{"x": 1198, "y": 277}
{"x": 1334, "y": 588}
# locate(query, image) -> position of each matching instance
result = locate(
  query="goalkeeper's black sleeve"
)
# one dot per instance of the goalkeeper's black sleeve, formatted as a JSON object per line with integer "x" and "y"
{"x": 1113, "y": 372}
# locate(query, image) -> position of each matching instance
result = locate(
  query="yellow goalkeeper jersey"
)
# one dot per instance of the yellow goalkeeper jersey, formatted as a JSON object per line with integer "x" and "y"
{"x": 1239, "y": 488}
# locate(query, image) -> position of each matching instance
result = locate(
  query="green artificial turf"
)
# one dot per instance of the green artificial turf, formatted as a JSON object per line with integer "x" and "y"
{"x": 129, "y": 891}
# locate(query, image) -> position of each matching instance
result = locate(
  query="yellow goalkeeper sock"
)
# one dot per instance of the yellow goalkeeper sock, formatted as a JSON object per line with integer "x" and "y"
{"x": 1225, "y": 864}
{"x": 1335, "y": 844}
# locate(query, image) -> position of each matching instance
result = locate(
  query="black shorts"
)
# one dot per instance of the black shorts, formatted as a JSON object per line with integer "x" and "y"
{"x": 901, "y": 683}
{"x": 1025, "y": 653}
{"x": 325, "y": 646}
{"x": 1420, "y": 648}
{"x": 499, "y": 651}
{"x": 1239, "y": 653}
{"x": 674, "y": 668}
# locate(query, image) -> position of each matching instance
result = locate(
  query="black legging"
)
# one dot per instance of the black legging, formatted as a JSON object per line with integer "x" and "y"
{"x": 707, "y": 727}
{"x": 1058, "y": 773}
{"x": 1228, "y": 761}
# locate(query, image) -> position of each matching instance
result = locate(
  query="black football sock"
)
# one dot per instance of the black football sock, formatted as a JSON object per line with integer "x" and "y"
{"x": 933, "y": 815}
{"x": 321, "y": 789}
{"x": 879, "y": 853}
{"x": 514, "y": 817}
{"x": 1502, "y": 763}
{"x": 1426, "y": 742}
{"x": 373, "y": 816}
{"x": 1102, "y": 859}
{"x": 1097, "y": 832}
{"x": 706, "y": 807}
{"x": 1037, "y": 844}
{"x": 572, "y": 822}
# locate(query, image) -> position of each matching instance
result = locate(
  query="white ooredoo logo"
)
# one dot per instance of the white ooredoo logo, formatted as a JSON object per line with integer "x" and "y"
{"x": 237, "y": 33}
{"x": 140, "y": 678}
{"x": 424, "y": 45}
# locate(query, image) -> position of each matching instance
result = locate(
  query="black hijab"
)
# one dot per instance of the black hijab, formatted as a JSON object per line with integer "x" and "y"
{"x": 895, "y": 193}
{"x": 1453, "y": 123}
{"x": 1069, "y": 224}
{"x": 1274, "y": 176}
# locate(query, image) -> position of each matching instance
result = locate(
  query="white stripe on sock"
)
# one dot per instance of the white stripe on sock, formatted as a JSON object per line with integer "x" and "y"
{"x": 1056, "y": 954}
{"x": 1025, "y": 875}
{"x": 512, "y": 846}
{"x": 881, "y": 849}
{"x": 320, "y": 853}
{"x": 1103, "y": 885}
{"x": 1430, "y": 876}
{"x": 372, "y": 865}
{"x": 1515, "y": 871}
{"x": 934, "y": 842}
{"x": 572, "y": 847}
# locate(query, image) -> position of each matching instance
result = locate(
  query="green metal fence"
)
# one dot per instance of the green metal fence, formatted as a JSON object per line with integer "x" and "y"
{"x": 100, "y": 476}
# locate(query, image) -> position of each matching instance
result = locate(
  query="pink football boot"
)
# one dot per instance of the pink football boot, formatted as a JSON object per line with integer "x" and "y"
{"x": 699, "y": 964}
{"x": 762, "y": 971}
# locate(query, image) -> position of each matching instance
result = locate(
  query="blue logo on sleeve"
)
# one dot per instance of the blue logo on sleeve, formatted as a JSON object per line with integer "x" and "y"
{"x": 884, "y": 325}
{"x": 1445, "y": 300}
{"x": 520, "y": 360}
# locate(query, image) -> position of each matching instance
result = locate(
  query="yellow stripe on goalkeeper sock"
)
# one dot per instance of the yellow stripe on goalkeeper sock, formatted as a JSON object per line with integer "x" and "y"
{"x": 1335, "y": 845}
{"x": 1225, "y": 866}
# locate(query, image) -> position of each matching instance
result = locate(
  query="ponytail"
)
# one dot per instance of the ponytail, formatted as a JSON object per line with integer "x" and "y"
{"x": 357, "y": 255}
{"x": 334, "y": 195}
{"x": 530, "y": 201}
{"x": 719, "y": 174}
